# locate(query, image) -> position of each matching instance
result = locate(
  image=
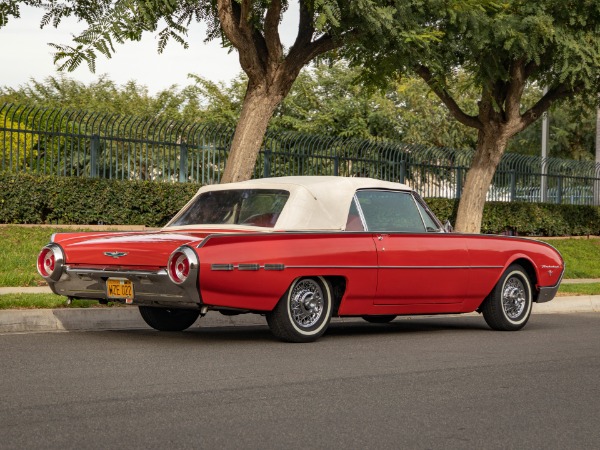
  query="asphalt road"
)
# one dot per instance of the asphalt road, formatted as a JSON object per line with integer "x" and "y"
{"x": 416, "y": 383}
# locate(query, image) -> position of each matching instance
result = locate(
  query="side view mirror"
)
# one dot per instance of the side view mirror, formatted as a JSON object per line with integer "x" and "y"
{"x": 448, "y": 227}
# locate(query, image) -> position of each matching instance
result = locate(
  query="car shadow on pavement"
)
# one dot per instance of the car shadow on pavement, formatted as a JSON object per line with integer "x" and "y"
{"x": 409, "y": 325}
{"x": 354, "y": 327}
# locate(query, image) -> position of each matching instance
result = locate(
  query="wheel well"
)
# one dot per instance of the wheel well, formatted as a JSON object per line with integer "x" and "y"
{"x": 528, "y": 266}
{"x": 338, "y": 287}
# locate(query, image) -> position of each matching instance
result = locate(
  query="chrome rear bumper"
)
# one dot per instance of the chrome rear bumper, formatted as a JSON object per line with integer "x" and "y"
{"x": 150, "y": 288}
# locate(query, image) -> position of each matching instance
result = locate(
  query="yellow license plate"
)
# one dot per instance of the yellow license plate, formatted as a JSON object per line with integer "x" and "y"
{"x": 119, "y": 288}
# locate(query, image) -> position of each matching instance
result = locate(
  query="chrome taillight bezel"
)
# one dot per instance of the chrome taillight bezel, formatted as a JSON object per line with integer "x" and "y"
{"x": 50, "y": 262}
{"x": 183, "y": 263}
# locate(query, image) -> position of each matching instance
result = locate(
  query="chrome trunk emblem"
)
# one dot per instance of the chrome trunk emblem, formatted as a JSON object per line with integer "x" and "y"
{"x": 115, "y": 254}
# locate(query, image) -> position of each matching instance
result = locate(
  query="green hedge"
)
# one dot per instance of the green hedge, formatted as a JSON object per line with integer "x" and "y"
{"x": 528, "y": 219}
{"x": 84, "y": 201}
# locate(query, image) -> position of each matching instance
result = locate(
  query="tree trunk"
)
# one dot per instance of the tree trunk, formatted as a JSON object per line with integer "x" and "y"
{"x": 491, "y": 145}
{"x": 257, "y": 110}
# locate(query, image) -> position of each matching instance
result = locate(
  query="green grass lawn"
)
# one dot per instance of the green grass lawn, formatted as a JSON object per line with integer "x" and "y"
{"x": 19, "y": 257}
{"x": 582, "y": 256}
{"x": 45, "y": 301}
{"x": 580, "y": 289}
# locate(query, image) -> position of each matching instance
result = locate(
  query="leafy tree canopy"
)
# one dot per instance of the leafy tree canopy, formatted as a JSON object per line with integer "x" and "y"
{"x": 502, "y": 47}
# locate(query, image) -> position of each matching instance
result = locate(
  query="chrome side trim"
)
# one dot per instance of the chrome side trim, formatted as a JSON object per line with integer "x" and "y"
{"x": 222, "y": 267}
{"x": 254, "y": 267}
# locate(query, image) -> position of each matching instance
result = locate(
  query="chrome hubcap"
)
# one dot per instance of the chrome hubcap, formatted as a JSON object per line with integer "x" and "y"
{"x": 514, "y": 298}
{"x": 306, "y": 303}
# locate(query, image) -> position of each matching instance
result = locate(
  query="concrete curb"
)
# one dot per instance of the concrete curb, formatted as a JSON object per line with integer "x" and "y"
{"x": 115, "y": 318}
{"x": 565, "y": 305}
{"x": 26, "y": 290}
{"x": 118, "y": 318}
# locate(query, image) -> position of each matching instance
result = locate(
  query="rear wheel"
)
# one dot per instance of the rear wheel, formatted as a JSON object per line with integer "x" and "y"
{"x": 508, "y": 306}
{"x": 304, "y": 312}
{"x": 165, "y": 319}
{"x": 379, "y": 319}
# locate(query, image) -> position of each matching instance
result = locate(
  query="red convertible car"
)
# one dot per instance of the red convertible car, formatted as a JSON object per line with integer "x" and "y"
{"x": 300, "y": 250}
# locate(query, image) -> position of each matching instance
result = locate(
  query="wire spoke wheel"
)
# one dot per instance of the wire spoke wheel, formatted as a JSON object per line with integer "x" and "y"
{"x": 304, "y": 312}
{"x": 508, "y": 306}
{"x": 514, "y": 298}
{"x": 306, "y": 303}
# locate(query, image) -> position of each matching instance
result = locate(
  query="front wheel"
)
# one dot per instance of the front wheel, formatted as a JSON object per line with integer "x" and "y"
{"x": 508, "y": 306}
{"x": 165, "y": 319}
{"x": 304, "y": 312}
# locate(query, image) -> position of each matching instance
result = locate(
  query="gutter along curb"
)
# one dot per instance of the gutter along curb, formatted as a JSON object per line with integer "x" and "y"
{"x": 125, "y": 317}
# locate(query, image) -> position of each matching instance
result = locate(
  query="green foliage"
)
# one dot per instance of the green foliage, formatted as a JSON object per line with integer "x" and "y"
{"x": 572, "y": 131}
{"x": 109, "y": 22}
{"x": 331, "y": 100}
{"x": 528, "y": 219}
{"x": 17, "y": 148}
{"x": 324, "y": 100}
{"x": 66, "y": 200}
{"x": 188, "y": 104}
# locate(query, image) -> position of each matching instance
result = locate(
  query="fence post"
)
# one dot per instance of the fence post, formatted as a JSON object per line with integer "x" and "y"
{"x": 336, "y": 165}
{"x": 597, "y": 186}
{"x": 513, "y": 185}
{"x": 402, "y": 171}
{"x": 559, "y": 194}
{"x": 94, "y": 152}
{"x": 267, "y": 164}
{"x": 183, "y": 162}
{"x": 458, "y": 182}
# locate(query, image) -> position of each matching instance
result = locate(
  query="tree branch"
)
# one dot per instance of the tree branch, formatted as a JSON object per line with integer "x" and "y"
{"x": 305, "y": 26}
{"x": 556, "y": 93}
{"x": 235, "y": 24}
{"x": 446, "y": 98}
{"x": 272, "y": 39}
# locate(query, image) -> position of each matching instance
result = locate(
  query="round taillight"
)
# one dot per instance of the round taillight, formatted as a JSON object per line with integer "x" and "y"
{"x": 50, "y": 261}
{"x": 180, "y": 267}
{"x": 181, "y": 263}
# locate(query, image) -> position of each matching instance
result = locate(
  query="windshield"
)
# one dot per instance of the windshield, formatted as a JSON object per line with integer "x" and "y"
{"x": 255, "y": 207}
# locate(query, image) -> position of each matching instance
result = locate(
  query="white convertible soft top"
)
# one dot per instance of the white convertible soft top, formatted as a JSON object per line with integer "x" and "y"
{"x": 315, "y": 202}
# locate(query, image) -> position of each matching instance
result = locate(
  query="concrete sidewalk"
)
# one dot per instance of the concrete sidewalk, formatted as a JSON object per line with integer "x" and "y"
{"x": 128, "y": 317}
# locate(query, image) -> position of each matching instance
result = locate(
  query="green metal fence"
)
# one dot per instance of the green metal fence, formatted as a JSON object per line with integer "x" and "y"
{"x": 83, "y": 144}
